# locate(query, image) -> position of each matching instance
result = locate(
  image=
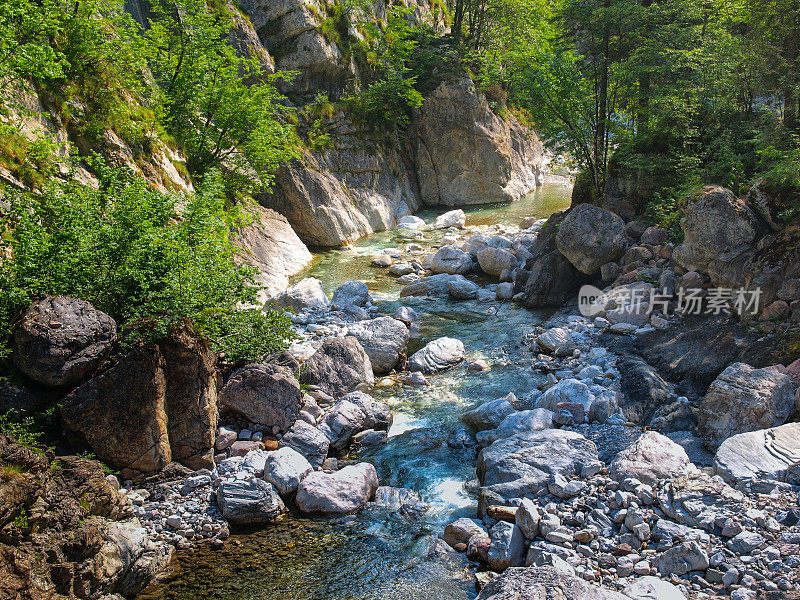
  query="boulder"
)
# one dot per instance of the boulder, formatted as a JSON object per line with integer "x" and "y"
{"x": 681, "y": 559}
{"x": 553, "y": 338}
{"x": 121, "y": 413}
{"x": 249, "y": 502}
{"x": 493, "y": 261}
{"x": 488, "y": 415}
{"x": 437, "y": 355}
{"x": 543, "y": 583}
{"x": 569, "y": 391}
{"x": 652, "y": 588}
{"x": 745, "y": 399}
{"x": 507, "y": 548}
{"x": 450, "y": 260}
{"x": 60, "y": 340}
{"x": 460, "y": 530}
{"x": 342, "y": 421}
{"x": 700, "y": 501}
{"x": 309, "y": 441}
{"x": 466, "y": 154}
{"x": 384, "y": 340}
{"x": 339, "y": 366}
{"x": 410, "y": 222}
{"x": 527, "y": 518}
{"x": 652, "y": 457}
{"x": 759, "y": 455}
{"x": 306, "y": 294}
{"x": 349, "y": 294}
{"x": 377, "y": 415}
{"x": 521, "y": 465}
{"x": 461, "y": 288}
{"x": 435, "y": 286}
{"x": 285, "y": 469}
{"x": 716, "y": 223}
{"x": 643, "y": 389}
{"x": 342, "y": 492}
{"x": 590, "y": 237}
{"x": 268, "y": 243}
{"x": 655, "y": 236}
{"x": 453, "y": 218}
{"x": 265, "y": 393}
{"x": 517, "y": 422}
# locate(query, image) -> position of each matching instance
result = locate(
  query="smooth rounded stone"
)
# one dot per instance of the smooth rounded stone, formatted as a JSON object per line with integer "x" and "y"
{"x": 682, "y": 558}
{"x": 401, "y": 269}
{"x": 370, "y": 437}
{"x": 493, "y": 261}
{"x": 478, "y": 366}
{"x": 254, "y": 461}
{"x": 249, "y": 502}
{"x": 384, "y": 339}
{"x": 505, "y": 291}
{"x": 745, "y": 543}
{"x": 306, "y": 294}
{"x": 382, "y": 261}
{"x": 377, "y": 414}
{"x": 453, "y": 218}
{"x": 351, "y": 293}
{"x": 433, "y": 286}
{"x": 759, "y": 455}
{"x": 650, "y": 458}
{"x": 406, "y": 314}
{"x": 342, "y": 492}
{"x": 488, "y": 415}
{"x": 553, "y": 338}
{"x": 590, "y": 237}
{"x": 507, "y": 547}
{"x": 338, "y": 367}
{"x": 461, "y": 530}
{"x": 416, "y": 378}
{"x": 652, "y": 588}
{"x": 745, "y": 399}
{"x": 541, "y": 583}
{"x": 461, "y": 288}
{"x": 743, "y": 594}
{"x": 342, "y": 421}
{"x": 521, "y": 465}
{"x": 266, "y": 394}
{"x": 309, "y": 441}
{"x": 517, "y": 422}
{"x": 225, "y": 437}
{"x": 437, "y": 355}
{"x": 60, "y": 340}
{"x": 285, "y": 468}
{"x": 410, "y": 222}
{"x": 450, "y": 260}
{"x": 567, "y": 391}
{"x": 527, "y": 518}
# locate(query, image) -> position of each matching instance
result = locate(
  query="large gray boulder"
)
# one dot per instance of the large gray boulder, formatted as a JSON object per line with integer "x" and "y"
{"x": 521, "y": 465}
{"x": 493, "y": 261}
{"x": 744, "y": 399}
{"x": 652, "y": 588}
{"x": 434, "y": 286}
{"x": 309, "y": 441}
{"x": 249, "y": 502}
{"x": 342, "y": 492}
{"x": 437, "y": 355}
{"x": 268, "y": 243}
{"x": 466, "y": 154}
{"x": 567, "y": 390}
{"x": 681, "y": 559}
{"x": 350, "y": 294}
{"x": 652, "y": 457}
{"x": 306, "y": 294}
{"x": 377, "y": 415}
{"x": 266, "y": 394}
{"x": 384, "y": 339}
{"x": 507, "y": 548}
{"x": 716, "y": 223}
{"x": 759, "y": 455}
{"x": 543, "y": 583}
{"x": 450, "y": 260}
{"x": 488, "y": 415}
{"x": 60, "y": 340}
{"x": 590, "y": 237}
{"x": 285, "y": 469}
{"x": 517, "y": 422}
{"x": 342, "y": 421}
{"x": 452, "y": 218}
{"x": 700, "y": 501}
{"x": 338, "y": 367}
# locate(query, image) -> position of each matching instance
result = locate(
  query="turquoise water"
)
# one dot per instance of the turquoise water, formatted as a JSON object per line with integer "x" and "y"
{"x": 384, "y": 556}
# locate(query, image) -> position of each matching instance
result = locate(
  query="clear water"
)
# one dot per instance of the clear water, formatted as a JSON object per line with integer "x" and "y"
{"x": 384, "y": 556}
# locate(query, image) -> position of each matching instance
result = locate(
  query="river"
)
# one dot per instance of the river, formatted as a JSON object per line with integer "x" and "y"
{"x": 373, "y": 555}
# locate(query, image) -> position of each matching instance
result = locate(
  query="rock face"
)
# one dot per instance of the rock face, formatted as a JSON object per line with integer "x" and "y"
{"x": 384, "y": 339}
{"x": 347, "y": 191}
{"x": 304, "y": 295}
{"x": 650, "y": 458}
{"x": 121, "y": 413}
{"x": 590, "y": 237}
{"x": 60, "y": 340}
{"x": 465, "y": 154}
{"x": 339, "y": 366}
{"x": 715, "y": 224}
{"x": 266, "y": 394}
{"x": 745, "y": 399}
{"x": 269, "y": 244}
{"x": 249, "y": 502}
{"x": 342, "y": 492}
{"x": 521, "y": 465}
{"x": 543, "y": 583}
{"x": 756, "y": 455}
{"x": 438, "y": 355}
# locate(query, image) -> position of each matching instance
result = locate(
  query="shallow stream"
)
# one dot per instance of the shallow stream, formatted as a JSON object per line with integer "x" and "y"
{"x": 382, "y": 556}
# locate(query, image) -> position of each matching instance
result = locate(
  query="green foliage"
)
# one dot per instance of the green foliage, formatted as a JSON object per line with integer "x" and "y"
{"x": 21, "y": 521}
{"x": 387, "y": 105}
{"x": 23, "y": 429}
{"x": 31, "y": 161}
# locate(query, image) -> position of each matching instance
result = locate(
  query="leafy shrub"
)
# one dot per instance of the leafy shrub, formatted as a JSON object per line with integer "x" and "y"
{"x": 388, "y": 104}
